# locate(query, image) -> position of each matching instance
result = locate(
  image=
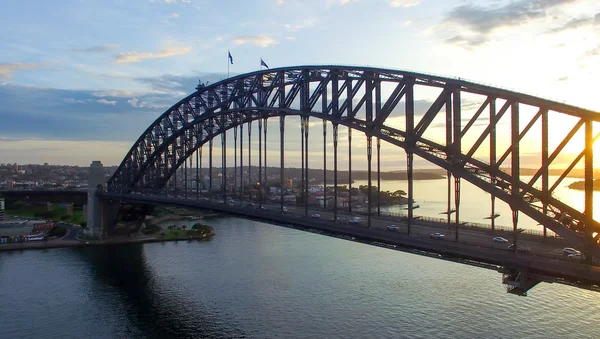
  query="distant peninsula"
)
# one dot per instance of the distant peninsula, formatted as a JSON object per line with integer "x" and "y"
{"x": 580, "y": 185}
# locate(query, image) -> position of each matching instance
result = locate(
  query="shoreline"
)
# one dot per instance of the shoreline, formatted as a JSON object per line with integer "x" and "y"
{"x": 65, "y": 244}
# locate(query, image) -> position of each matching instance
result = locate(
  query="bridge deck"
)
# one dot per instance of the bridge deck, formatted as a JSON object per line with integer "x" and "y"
{"x": 542, "y": 260}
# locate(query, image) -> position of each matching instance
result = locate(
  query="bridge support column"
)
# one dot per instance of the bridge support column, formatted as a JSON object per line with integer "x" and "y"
{"x": 369, "y": 187}
{"x": 235, "y": 184}
{"x": 409, "y": 177}
{"x": 281, "y": 161}
{"x": 306, "y": 165}
{"x": 224, "y": 159}
{"x": 241, "y": 159}
{"x": 260, "y": 184}
{"x": 515, "y": 221}
{"x": 325, "y": 162}
{"x": 589, "y": 192}
{"x": 250, "y": 158}
{"x": 210, "y": 166}
{"x": 265, "y": 155}
{"x": 457, "y": 205}
{"x": 335, "y": 171}
{"x": 378, "y": 177}
{"x": 349, "y": 169}
{"x": 302, "y": 159}
{"x": 95, "y": 210}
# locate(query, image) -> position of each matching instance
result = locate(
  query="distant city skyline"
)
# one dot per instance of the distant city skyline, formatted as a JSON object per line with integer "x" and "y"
{"x": 80, "y": 81}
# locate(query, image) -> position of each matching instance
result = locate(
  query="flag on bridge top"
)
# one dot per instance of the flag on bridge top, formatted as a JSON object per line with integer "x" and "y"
{"x": 230, "y": 57}
{"x": 262, "y": 63}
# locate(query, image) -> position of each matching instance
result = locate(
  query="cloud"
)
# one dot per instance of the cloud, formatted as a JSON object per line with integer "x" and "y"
{"x": 576, "y": 23}
{"x": 106, "y": 102}
{"x": 467, "y": 41}
{"x": 305, "y": 24}
{"x": 258, "y": 40}
{"x": 565, "y": 78}
{"x": 404, "y": 3}
{"x": 279, "y": 2}
{"x": 481, "y": 21}
{"x": 174, "y": 16}
{"x": 134, "y": 102}
{"x": 95, "y": 49}
{"x": 7, "y": 70}
{"x": 74, "y": 101}
{"x": 593, "y": 52}
{"x": 140, "y": 56}
{"x": 329, "y": 3}
{"x": 290, "y": 38}
{"x": 114, "y": 93}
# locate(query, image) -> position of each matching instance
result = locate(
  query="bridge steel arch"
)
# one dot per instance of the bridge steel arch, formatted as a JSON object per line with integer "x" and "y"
{"x": 353, "y": 97}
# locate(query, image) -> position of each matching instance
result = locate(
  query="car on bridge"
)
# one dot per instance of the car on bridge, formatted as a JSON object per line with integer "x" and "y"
{"x": 499, "y": 239}
{"x": 436, "y": 236}
{"x": 392, "y": 228}
{"x": 571, "y": 251}
{"x": 316, "y": 215}
{"x": 355, "y": 220}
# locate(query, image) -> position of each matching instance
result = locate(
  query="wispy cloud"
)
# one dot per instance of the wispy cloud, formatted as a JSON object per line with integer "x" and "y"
{"x": 307, "y": 23}
{"x": 404, "y": 3}
{"x": 577, "y": 23}
{"x": 95, "y": 49}
{"x": 135, "y": 102}
{"x": 106, "y": 102}
{"x": 7, "y": 70}
{"x": 140, "y": 56}
{"x": 339, "y": 2}
{"x": 174, "y": 16}
{"x": 258, "y": 40}
{"x": 74, "y": 101}
{"x": 476, "y": 23}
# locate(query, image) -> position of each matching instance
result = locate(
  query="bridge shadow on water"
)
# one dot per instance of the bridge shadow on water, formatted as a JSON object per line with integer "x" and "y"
{"x": 153, "y": 310}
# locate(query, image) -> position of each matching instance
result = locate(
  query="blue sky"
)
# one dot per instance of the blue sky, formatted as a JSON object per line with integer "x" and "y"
{"x": 81, "y": 79}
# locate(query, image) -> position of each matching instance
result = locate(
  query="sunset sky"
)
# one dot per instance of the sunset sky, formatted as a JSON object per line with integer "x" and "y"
{"x": 80, "y": 80}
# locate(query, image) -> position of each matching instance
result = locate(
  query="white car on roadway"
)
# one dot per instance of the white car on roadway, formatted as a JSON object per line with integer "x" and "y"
{"x": 316, "y": 215}
{"x": 569, "y": 251}
{"x": 392, "y": 228}
{"x": 436, "y": 236}
{"x": 499, "y": 239}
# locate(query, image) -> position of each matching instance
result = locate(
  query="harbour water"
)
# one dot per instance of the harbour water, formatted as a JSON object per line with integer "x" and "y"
{"x": 255, "y": 280}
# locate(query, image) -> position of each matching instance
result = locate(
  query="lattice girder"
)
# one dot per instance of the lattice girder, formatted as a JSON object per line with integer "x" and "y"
{"x": 345, "y": 93}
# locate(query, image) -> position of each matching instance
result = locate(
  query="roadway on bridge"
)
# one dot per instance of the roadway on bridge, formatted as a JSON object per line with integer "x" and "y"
{"x": 474, "y": 236}
{"x": 549, "y": 247}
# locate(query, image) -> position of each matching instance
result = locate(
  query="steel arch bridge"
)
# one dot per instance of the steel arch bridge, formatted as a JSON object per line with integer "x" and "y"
{"x": 365, "y": 99}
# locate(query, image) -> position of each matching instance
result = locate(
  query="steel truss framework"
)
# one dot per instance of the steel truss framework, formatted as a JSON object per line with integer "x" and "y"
{"x": 343, "y": 92}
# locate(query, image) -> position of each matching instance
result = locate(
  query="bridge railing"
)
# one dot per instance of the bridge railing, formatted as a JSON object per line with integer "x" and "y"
{"x": 466, "y": 225}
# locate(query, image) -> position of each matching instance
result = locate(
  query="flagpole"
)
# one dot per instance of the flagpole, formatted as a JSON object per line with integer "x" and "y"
{"x": 228, "y": 54}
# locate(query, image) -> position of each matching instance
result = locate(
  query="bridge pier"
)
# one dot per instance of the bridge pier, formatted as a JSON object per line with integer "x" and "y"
{"x": 96, "y": 209}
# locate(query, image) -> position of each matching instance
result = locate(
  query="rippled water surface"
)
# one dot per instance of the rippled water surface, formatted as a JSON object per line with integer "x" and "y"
{"x": 261, "y": 281}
